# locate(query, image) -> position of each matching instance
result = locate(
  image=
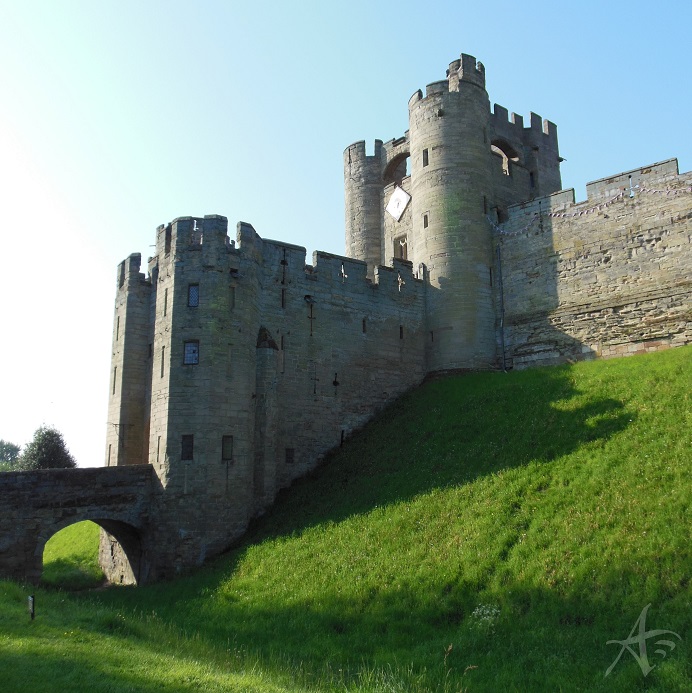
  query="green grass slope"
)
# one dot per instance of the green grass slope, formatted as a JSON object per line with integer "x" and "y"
{"x": 489, "y": 532}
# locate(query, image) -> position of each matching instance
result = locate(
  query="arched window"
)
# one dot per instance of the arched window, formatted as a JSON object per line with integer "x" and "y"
{"x": 396, "y": 169}
{"x": 401, "y": 248}
{"x": 506, "y": 154}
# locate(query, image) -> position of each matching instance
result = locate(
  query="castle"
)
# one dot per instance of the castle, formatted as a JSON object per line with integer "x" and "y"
{"x": 236, "y": 366}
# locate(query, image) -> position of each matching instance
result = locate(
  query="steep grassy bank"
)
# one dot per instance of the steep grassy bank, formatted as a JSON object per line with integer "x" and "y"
{"x": 489, "y": 532}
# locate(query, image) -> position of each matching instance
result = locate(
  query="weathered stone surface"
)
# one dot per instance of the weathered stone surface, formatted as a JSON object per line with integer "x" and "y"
{"x": 610, "y": 276}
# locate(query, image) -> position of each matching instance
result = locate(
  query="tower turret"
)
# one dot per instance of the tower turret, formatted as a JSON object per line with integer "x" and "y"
{"x": 450, "y": 181}
{"x": 130, "y": 368}
{"x": 363, "y": 192}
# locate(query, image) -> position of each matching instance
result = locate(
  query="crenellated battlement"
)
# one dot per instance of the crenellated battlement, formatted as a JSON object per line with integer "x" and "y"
{"x": 185, "y": 232}
{"x": 607, "y": 187}
{"x": 356, "y": 152}
{"x": 546, "y": 204}
{"x": 466, "y": 70}
{"x": 337, "y": 272}
{"x": 511, "y": 126}
{"x": 190, "y": 235}
{"x": 660, "y": 179}
{"x": 128, "y": 270}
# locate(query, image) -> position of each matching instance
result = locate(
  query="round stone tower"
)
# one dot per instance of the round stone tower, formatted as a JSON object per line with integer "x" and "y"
{"x": 450, "y": 187}
{"x": 364, "y": 207}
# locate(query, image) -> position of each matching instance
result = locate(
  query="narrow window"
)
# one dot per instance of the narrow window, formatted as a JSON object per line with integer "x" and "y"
{"x": 117, "y": 329}
{"x": 282, "y": 359}
{"x": 109, "y": 456}
{"x": 191, "y": 353}
{"x": 227, "y": 449}
{"x": 290, "y": 455}
{"x": 187, "y": 447}
{"x": 485, "y": 204}
{"x": 165, "y": 302}
{"x": 401, "y": 331}
{"x": 193, "y": 295}
{"x": 365, "y": 326}
{"x": 115, "y": 375}
{"x": 232, "y": 297}
{"x": 163, "y": 358}
{"x": 401, "y": 248}
{"x": 150, "y": 350}
{"x": 158, "y": 447}
{"x": 283, "y": 298}
{"x": 532, "y": 179}
{"x": 425, "y": 157}
{"x": 490, "y": 273}
{"x": 425, "y": 221}
{"x": 432, "y": 336}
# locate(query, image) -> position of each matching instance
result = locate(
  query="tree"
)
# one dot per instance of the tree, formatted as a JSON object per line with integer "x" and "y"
{"x": 9, "y": 454}
{"x": 46, "y": 451}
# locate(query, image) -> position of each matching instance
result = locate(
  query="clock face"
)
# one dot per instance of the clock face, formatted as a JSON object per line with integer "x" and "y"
{"x": 397, "y": 203}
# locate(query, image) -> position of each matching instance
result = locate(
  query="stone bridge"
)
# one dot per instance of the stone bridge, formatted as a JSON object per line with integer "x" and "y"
{"x": 35, "y": 505}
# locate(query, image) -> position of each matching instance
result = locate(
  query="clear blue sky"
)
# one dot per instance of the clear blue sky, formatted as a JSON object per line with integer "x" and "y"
{"x": 116, "y": 117}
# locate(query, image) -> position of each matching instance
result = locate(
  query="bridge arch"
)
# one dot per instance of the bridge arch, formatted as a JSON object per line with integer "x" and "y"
{"x": 120, "y": 546}
{"x": 34, "y": 505}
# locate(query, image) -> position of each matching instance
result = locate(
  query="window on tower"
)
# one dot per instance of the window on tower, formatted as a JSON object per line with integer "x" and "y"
{"x": 191, "y": 353}
{"x": 187, "y": 443}
{"x": 193, "y": 295}
{"x": 227, "y": 448}
{"x": 401, "y": 248}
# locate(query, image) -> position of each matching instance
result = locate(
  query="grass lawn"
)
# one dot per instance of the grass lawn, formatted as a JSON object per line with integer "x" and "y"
{"x": 71, "y": 558}
{"x": 488, "y": 532}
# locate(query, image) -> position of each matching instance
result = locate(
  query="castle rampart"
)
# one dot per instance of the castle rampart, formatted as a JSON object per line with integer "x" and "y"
{"x": 605, "y": 277}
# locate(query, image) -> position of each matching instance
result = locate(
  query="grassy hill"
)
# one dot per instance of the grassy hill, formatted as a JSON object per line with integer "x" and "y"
{"x": 488, "y": 532}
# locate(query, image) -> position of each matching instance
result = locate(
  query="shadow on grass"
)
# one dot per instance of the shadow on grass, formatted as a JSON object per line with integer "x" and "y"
{"x": 449, "y": 432}
{"x": 529, "y": 638}
{"x": 68, "y": 575}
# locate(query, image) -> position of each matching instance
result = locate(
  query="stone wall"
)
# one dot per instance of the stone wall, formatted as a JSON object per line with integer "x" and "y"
{"x": 290, "y": 359}
{"x": 37, "y": 504}
{"x": 606, "y": 277}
